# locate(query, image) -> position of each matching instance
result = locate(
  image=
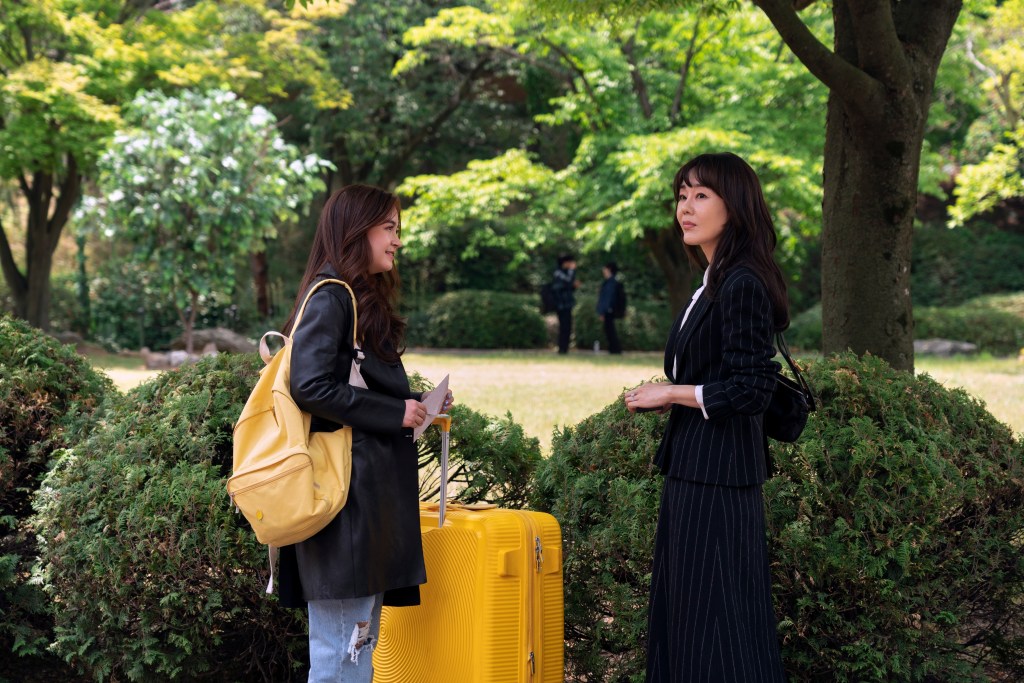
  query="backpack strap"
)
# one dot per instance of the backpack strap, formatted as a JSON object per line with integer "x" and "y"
{"x": 355, "y": 312}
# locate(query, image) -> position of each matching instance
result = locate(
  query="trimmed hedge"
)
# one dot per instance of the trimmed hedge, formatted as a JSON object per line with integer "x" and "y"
{"x": 895, "y": 531}
{"x": 645, "y": 327}
{"x": 994, "y": 331}
{"x": 478, "y": 319}
{"x": 951, "y": 267}
{"x": 994, "y": 323}
{"x": 156, "y": 576}
{"x": 48, "y": 398}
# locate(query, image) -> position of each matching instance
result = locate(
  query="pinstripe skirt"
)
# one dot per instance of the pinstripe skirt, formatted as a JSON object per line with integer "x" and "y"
{"x": 711, "y": 615}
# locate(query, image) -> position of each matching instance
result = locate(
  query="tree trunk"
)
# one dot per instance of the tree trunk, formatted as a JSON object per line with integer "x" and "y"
{"x": 32, "y": 290}
{"x": 880, "y": 75}
{"x": 260, "y": 269}
{"x": 868, "y": 212}
{"x": 666, "y": 249}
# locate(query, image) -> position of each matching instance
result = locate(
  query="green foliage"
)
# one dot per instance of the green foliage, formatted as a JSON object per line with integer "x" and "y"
{"x": 48, "y": 397}
{"x": 477, "y": 319}
{"x": 199, "y": 181}
{"x": 490, "y": 459}
{"x": 804, "y": 331}
{"x": 600, "y": 484}
{"x": 461, "y": 104}
{"x": 994, "y": 331}
{"x": 994, "y": 323}
{"x": 948, "y": 267}
{"x": 1008, "y": 303}
{"x": 157, "y": 577}
{"x": 477, "y": 204}
{"x": 68, "y": 66}
{"x": 896, "y": 526}
{"x": 640, "y": 97}
{"x": 894, "y": 529}
{"x": 992, "y": 159}
{"x": 999, "y": 177}
{"x": 645, "y": 327}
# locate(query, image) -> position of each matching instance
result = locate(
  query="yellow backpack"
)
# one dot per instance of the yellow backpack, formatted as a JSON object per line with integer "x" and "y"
{"x": 287, "y": 482}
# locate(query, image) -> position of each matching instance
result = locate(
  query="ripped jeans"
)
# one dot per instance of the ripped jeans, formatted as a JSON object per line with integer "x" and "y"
{"x": 342, "y": 635}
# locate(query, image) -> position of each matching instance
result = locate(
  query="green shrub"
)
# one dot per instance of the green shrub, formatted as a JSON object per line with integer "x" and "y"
{"x": 600, "y": 485}
{"x": 896, "y": 525}
{"x": 48, "y": 396}
{"x": 157, "y": 577}
{"x": 994, "y": 323}
{"x": 1008, "y": 303}
{"x": 895, "y": 530}
{"x": 804, "y": 331}
{"x": 993, "y": 330}
{"x": 490, "y": 459}
{"x": 126, "y": 311}
{"x": 478, "y": 319}
{"x": 645, "y": 327}
{"x": 950, "y": 267}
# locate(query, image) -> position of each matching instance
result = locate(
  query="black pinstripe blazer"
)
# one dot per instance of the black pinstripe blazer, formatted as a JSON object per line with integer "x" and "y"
{"x": 725, "y": 345}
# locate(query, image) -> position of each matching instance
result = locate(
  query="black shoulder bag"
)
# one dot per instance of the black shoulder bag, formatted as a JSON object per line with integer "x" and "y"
{"x": 791, "y": 402}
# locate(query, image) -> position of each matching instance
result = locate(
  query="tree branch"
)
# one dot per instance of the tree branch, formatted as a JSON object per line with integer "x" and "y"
{"x": 844, "y": 80}
{"x": 973, "y": 59}
{"x": 684, "y": 70}
{"x": 639, "y": 86}
{"x": 879, "y": 47}
{"x": 421, "y": 134}
{"x": 567, "y": 58}
{"x": 70, "y": 187}
{"x": 15, "y": 279}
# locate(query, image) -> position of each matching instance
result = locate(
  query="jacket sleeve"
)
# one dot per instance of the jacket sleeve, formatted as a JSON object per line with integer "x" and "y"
{"x": 320, "y": 365}
{"x": 748, "y": 377}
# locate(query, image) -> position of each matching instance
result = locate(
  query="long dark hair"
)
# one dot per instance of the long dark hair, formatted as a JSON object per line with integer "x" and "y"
{"x": 341, "y": 242}
{"x": 748, "y": 238}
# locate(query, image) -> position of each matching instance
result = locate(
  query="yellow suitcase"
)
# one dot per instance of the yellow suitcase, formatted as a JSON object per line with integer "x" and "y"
{"x": 492, "y": 608}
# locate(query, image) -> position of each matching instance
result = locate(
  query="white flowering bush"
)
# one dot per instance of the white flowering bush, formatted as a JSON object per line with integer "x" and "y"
{"x": 197, "y": 180}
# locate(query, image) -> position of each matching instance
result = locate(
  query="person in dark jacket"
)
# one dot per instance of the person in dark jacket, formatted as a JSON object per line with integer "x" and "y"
{"x": 370, "y": 554}
{"x": 564, "y": 286}
{"x": 711, "y": 615}
{"x": 606, "y": 305}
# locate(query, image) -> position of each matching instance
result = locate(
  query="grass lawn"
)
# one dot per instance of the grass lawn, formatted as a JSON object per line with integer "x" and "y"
{"x": 545, "y": 391}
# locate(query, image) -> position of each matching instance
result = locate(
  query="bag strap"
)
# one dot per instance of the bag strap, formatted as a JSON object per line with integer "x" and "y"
{"x": 805, "y": 388}
{"x": 355, "y": 309}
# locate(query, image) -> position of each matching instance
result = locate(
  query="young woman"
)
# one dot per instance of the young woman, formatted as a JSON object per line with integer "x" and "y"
{"x": 370, "y": 554}
{"x": 711, "y": 616}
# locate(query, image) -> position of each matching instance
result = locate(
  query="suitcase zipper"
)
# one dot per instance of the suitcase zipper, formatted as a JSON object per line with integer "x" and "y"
{"x": 532, "y": 588}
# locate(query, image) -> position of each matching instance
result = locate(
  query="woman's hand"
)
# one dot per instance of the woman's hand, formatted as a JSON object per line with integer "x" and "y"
{"x": 449, "y": 399}
{"x": 415, "y": 413}
{"x": 656, "y": 396}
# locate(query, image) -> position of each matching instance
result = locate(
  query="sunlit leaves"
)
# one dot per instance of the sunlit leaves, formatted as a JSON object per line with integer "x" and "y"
{"x": 48, "y": 114}
{"x": 497, "y": 201}
{"x": 1000, "y": 176}
{"x": 466, "y": 27}
{"x": 199, "y": 180}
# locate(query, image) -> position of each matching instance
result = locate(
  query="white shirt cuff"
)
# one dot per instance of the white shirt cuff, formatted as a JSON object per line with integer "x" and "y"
{"x": 698, "y": 393}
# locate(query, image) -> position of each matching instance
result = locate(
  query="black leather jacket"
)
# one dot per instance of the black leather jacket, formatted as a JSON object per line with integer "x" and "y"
{"x": 373, "y": 545}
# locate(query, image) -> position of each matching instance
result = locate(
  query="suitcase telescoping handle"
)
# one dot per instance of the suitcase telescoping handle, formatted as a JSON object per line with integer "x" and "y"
{"x": 445, "y": 423}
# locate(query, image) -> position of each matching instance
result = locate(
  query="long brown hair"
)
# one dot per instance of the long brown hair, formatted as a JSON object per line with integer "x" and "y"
{"x": 748, "y": 238}
{"x": 341, "y": 242}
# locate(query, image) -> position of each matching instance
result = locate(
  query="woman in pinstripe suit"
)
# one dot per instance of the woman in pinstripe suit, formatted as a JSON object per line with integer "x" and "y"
{"x": 711, "y": 616}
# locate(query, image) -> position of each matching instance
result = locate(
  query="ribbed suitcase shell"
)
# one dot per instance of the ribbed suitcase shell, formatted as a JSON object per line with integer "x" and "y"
{"x": 492, "y": 608}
